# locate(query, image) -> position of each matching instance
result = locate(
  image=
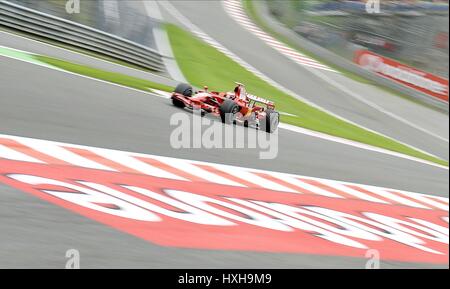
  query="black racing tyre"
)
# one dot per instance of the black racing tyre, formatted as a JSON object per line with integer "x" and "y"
{"x": 270, "y": 123}
{"x": 228, "y": 109}
{"x": 178, "y": 103}
{"x": 184, "y": 89}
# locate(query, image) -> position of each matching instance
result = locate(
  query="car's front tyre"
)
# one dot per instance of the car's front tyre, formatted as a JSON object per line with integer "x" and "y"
{"x": 184, "y": 89}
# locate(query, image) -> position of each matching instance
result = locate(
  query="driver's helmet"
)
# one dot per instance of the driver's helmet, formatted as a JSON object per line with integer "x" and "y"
{"x": 240, "y": 92}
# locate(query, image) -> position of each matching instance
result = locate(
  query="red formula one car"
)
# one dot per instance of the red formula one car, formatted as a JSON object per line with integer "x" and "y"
{"x": 233, "y": 107}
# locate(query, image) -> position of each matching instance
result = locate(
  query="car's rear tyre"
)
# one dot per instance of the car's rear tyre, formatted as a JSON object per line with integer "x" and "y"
{"x": 184, "y": 89}
{"x": 228, "y": 109}
{"x": 270, "y": 123}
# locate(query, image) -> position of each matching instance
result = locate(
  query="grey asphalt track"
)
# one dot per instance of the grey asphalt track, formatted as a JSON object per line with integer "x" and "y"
{"x": 213, "y": 20}
{"x": 68, "y": 108}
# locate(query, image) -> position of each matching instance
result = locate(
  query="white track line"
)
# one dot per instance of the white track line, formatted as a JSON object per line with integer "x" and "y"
{"x": 352, "y": 192}
{"x": 65, "y": 155}
{"x": 135, "y": 164}
{"x": 7, "y": 153}
{"x": 162, "y": 42}
{"x": 356, "y": 144}
{"x": 301, "y": 184}
{"x": 396, "y": 198}
{"x": 236, "y": 11}
{"x": 426, "y": 200}
{"x": 197, "y": 171}
{"x": 252, "y": 178}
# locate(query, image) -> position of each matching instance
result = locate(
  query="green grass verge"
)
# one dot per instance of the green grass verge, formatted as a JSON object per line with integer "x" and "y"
{"x": 113, "y": 77}
{"x": 203, "y": 65}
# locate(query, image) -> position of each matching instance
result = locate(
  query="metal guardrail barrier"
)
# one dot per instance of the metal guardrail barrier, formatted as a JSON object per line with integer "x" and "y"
{"x": 69, "y": 32}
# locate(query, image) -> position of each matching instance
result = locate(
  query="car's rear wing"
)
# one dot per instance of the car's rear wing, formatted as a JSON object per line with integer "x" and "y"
{"x": 261, "y": 100}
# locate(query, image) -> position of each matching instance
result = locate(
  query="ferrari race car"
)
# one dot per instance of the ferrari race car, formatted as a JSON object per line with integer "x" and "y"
{"x": 236, "y": 107}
